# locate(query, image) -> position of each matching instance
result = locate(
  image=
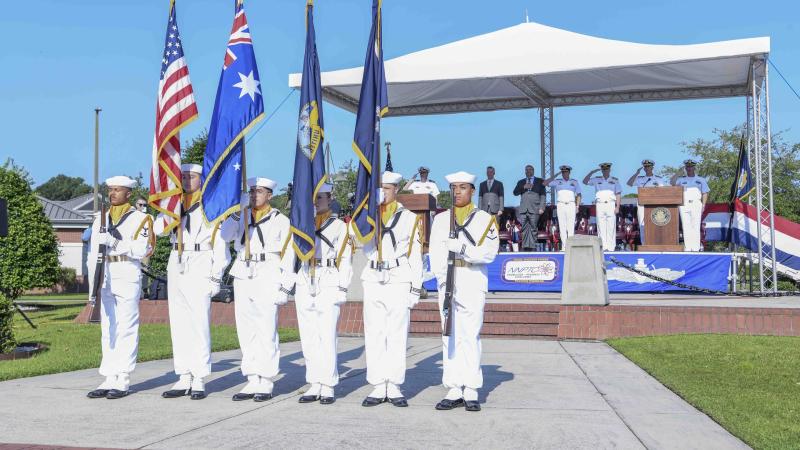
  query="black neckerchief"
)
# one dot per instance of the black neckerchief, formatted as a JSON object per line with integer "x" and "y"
{"x": 463, "y": 228}
{"x": 112, "y": 228}
{"x": 322, "y": 228}
{"x": 256, "y": 225}
{"x": 390, "y": 229}
{"x": 188, "y": 217}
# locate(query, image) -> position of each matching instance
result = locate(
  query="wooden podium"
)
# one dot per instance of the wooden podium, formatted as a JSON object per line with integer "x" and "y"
{"x": 661, "y": 218}
{"x": 420, "y": 203}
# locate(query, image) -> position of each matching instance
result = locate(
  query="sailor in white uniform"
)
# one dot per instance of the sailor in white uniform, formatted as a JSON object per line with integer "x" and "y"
{"x": 262, "y": 282}
{"x": 322, "y": 284}
{"x": 196, "y": 265}
{"x": 126, "y": 239}
{"x": 568, "y": 200}
{"x": 695, "y": 196}
{"x": 392, "y": 281}
{"x": 475, "y": 246}
{"x": 607, "y": 198}
{"x": 649, "y": 179}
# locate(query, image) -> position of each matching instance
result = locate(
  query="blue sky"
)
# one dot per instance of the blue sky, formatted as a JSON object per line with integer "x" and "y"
{"x": 63, "y": 58}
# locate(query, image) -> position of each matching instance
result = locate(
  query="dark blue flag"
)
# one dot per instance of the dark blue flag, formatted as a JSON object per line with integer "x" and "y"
{"x": 373, "y": 103}
{"x": 239, "y": 105}
{"x": 743, "y": 183}
{"x": 309, "y": 159}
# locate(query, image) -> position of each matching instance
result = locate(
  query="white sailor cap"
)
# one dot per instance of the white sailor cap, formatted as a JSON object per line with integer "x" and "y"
{"x": 196, "y": 168}
{"x": 326, "y": 187}
{"x": 263, "y": 182}
{"x": 391, "y": 178}
{"x": 460, "y": 177}
{"x": 122, "y": 181}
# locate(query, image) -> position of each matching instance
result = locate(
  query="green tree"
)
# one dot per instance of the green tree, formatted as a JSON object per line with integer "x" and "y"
{"x": 194, "y": 150}
{"x": 62, "y": 187}
{"x": 29, "y": 254}
{"x": 443, "y": 200}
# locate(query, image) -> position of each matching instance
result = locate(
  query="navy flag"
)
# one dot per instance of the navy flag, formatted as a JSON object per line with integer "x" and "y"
{"x": 309, "y": 159}
{"x": 372, "y": 105}
{"x": 743, "y": 183}
{"x": 239, "y": 106}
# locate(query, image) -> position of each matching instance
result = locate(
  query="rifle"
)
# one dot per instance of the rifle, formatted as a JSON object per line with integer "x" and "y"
{"x": 99, "y": 273}
{"x": 447, "y": 306}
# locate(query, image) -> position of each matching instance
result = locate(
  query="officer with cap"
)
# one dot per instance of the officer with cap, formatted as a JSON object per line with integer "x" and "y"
{"x": 194, "y": 271}
{"x": 475, "y": 245}
{"x": 322, "y": 284}
{"x": 649, "y": 179}
{"x": 126, "y": 239}
{"x": 422, "y": 186}
{"x": 263, "y": 277}
{"x": 607, "y": 199}
{"x": 392, "y": 281}
{"x": 568, "y": 200}
{"x": 695, "y": 196}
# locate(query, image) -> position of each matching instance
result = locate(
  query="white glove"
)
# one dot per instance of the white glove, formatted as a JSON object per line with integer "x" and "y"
{"x": 381, "y": 196}
{"x": 454, "y": 245}
{"x": 215, "y": 287}
{"x": 245, "y": 199}
{"x": 106, "y": 239}
{"x": 413, "y": 299}
{"x": 281, "y": 298}
{"x": 340, "y": 297}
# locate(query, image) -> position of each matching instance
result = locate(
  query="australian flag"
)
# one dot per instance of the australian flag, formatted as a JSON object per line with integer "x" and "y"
{"x": 309, "y": 161}
{"x": 743, "y": 183}
{"x": 372, "y": 105}
{"x": 239, "y": 106}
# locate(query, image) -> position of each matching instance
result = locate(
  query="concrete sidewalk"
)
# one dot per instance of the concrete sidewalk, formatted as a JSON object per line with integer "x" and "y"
{"x": 537, "y": 394}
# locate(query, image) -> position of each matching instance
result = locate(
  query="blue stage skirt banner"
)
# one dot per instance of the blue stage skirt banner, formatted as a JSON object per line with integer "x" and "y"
{"x": 543, "y": 272}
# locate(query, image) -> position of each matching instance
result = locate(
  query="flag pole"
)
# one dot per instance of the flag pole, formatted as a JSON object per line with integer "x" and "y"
{"x": 95, "y": 204}
{"x": 244, "y": 211}
{"x": 379, "y": 222}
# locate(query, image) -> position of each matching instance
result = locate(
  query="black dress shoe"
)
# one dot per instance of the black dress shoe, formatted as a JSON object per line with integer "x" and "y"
{"x": 176, "y": 393}
{"x": 327, "y": 400}
{"x": 308, "y": 398}
{"x": 198, "y": 395}
{"x": 241, "y": 397}
{"x": 473, "y": 405}
{"x": 261, "y": 397}
{"x": 373, "y": 401}
{"x": 115, "y": 394}
{"x": 447, "y": 404}
{"x": 400, "y": 402}
{"x": 98, "y": 393}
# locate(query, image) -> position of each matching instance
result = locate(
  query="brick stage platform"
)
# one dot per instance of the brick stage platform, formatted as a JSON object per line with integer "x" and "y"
{"x": 519, "y": 315}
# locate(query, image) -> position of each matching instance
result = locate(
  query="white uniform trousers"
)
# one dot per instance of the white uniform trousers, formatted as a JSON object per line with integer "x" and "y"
{"x": 461, "y": 356}
{"x": 317, "y": 318}
{"x": 640, "y": 217}
{"x": 257, "y": 326}
{"x": 189, "y": 301}
{"x": 386, "y": 321}
{"x": 691, "y": 216}
{"x": 565, "y": 211}
{"x": 119, "y": 325}
{"x": 606, "y": 224}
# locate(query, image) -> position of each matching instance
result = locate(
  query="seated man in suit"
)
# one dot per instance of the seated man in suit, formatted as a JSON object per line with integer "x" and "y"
{"x": 531, "y": 204}
{"x": 490, "y": 194}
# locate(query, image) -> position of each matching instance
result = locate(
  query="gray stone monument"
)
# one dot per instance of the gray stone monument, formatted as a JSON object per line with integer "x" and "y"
{"x": 584, "y": 281}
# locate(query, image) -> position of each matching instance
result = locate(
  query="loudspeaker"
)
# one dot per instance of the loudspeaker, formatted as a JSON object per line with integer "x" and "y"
{"x": 3, "y": 217}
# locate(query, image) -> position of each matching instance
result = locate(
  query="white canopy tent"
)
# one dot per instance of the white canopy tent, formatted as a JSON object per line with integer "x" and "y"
{"x": 536, "y": 66}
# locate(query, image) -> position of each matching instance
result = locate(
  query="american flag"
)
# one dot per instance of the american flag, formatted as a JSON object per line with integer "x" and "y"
{"x": 175, "y": 108}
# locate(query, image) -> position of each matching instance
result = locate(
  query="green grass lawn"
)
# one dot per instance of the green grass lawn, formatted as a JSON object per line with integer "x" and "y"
{"x": 749, "y": 384}
{"x": 77, "y": 346}
{"x": 54, "y": 299}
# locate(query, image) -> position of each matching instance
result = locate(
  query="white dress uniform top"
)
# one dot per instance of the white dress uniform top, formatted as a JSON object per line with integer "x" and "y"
{"x": 566, "y": 193}
{"x": 392, "y": 285}
{"x": 692, "y": 210}
{"x": 478, "y": 244}
{"x": 191, "y": 281}
{"x": 605, "y": 198}
{"x": 127, "y": 243}
{"x": 424, "y": 187}
{"x": 646, "y": 181}
{"x": 320, "y": 292}
{"x": 260, "y": 285}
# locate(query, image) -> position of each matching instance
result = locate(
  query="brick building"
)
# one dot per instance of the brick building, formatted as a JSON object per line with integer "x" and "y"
{"x": 70, "y": 219}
